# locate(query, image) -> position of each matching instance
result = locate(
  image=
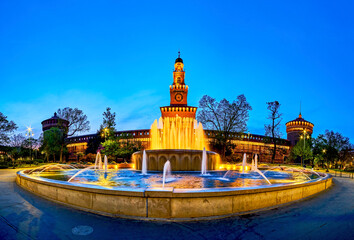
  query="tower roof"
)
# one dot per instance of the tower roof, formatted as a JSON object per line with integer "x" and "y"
{"x": 299, "y": 121}
{"x": 55, "y": 117}
{"x": 179, "y": 59}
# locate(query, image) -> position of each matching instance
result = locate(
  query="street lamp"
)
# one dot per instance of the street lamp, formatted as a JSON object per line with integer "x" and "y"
{"x": 104, "y": 134}
{"x": 304, "y": 136}
{"x": 29, "y": 133}
{"x": 323, "y": 158}
{"x": 249, "y": 143}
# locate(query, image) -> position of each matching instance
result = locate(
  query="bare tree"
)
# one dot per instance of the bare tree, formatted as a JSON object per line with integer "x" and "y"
{"x": 16, "y": 143}
{"x": 6, "y": 128}
{"x": 272, "y": 130}
{"x": 224, "y": 117}
{"x": 77, "y": 120}
{"x": 17, "y": 140}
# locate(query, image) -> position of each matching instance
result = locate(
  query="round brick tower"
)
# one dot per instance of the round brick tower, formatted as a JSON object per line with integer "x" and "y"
{"x": 55, "y": 121}
{"x": 298, "y": 127}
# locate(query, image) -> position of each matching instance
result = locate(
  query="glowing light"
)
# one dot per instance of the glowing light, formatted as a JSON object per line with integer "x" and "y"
{"x": 177, "y": 133}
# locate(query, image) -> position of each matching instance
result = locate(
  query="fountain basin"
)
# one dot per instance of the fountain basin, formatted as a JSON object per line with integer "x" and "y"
{"x": 170, "y": 203}
{"x": 181, "y": 159}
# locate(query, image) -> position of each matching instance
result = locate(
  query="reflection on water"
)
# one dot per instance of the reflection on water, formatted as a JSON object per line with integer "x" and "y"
{"x": 133, "y": 179}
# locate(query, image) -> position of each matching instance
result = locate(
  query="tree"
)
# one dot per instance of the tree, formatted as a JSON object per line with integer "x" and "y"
{"x": 318, "y": 150}
{"x": 224, "y": 117}
{"x": 16, "y": 143}
{"x": 77, "y": 120}
{"x": 6, "y": 128}
{"x": 53, "y": 142}
{"x": 109, "y": 119}
{"x": 272, "y": 130}
{"x": 123, "y": 146}
{"x": 302, "y": 150}
{"x": 336, "y": 147}
{"x": 107, "y": 128}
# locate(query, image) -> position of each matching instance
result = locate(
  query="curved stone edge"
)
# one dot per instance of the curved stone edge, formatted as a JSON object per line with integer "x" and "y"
{"x": 171, "y": 204}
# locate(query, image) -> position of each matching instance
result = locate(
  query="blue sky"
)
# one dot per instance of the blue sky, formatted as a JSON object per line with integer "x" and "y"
{"x": 95, "y": 54}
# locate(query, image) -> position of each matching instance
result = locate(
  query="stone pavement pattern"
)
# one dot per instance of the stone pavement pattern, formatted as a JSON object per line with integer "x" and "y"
{"x": 328, "y": 215}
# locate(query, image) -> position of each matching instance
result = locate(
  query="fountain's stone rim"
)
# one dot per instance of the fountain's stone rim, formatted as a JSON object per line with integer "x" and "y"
{"x": 170, "y": 204}
{"x": 225, "y": 191}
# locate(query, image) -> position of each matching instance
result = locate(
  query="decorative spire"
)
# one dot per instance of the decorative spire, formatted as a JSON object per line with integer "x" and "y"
{"x": 179, "y": 54}
{"x": 300, "y": 116}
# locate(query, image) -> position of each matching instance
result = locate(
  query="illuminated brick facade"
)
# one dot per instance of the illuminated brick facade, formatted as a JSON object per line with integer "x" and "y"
{"x": 54, "y": 121}
{"x": 178, "y": 94}
{"x": 296, "y": 128}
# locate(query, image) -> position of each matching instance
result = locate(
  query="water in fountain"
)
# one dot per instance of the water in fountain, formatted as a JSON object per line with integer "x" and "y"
{"x": 204, "y": 162}
{"x": 315, "y": 173}
{"x": 98, "y": 161}
{"x": 144, "y": 165}
{"x": 46, "y": 167}
{"x": 166, "y": 172}
{"x": 81, "y": 171}
{"x": 177, "y": 133}
{"x": 260, "y": 173}
{"x": 105, "y": 165}
{"x": 244, "y": 161}
{"x": 225, "y": 175}
{"x": 256, "y": 161}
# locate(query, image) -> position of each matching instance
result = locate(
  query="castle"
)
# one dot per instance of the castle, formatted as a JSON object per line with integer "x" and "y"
{"x": 244, "y": 143}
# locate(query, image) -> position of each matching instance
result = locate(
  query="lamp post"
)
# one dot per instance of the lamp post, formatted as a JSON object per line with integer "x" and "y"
{"x": 324, "y": 152}
{"x": 104, "y": 134}
{"x": 304, "y": 136}
{"x": 249, "y": 143}
{"x": 29, "y": 133}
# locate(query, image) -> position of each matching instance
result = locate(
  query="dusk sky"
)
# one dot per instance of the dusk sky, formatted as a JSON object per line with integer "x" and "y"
{"x": 97, "y": 54}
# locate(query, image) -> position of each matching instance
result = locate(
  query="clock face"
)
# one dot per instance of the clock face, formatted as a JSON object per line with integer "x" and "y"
{"x": 179, "y": 97}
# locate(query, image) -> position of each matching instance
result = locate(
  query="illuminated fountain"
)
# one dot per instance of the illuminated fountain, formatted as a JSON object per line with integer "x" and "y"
{"x": 166, "y": 175}
{"x": 176, "y": 177}
{"x": 204, "y": 163}
{"x": 144, "y": 167}
{"x": 177, "y": 133}
{"x": 180, "y": 140}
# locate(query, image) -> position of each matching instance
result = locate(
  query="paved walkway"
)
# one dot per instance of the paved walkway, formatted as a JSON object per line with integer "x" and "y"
{"x": 329, "y": 215}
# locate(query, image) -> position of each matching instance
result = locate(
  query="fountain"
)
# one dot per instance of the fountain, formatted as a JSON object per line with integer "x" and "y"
{"x": 144, "y": 167}
{"x": 180, "y": 139}
{"x": 244, "y": 162}
{"x": 177, "y": 133}
{"x": 166, "y": 172}
{"x": 177, "y": 141}
{"x": 204, "y": 162}
{"x": 98, "y": 161}
{"x": 105, "y": 164}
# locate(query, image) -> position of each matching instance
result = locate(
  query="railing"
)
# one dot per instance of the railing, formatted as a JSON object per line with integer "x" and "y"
{"x": 344, "y": 174}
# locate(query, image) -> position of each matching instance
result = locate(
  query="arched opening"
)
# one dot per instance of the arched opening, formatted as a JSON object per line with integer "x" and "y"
{"x": 197, "y": 163}
{"x": 185, "y": 163}
{"x": 174, "y": 164}
{"x": 161, "y": 163}
{"x": 152, "y": 164}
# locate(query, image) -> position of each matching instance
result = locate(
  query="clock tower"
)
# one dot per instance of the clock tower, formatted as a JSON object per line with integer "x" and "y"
{"x": 178, "y": 94}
